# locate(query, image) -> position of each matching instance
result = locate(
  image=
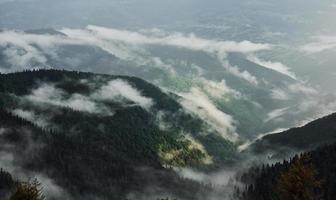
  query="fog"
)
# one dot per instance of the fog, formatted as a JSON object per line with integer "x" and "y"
{"x": 190, "y": 41}
{"x": 292, "y": 25}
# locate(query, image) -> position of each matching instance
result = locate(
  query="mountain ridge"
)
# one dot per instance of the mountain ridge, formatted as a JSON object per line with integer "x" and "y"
{"x": 121, "y": 146}
{"x": 307, "y": 137}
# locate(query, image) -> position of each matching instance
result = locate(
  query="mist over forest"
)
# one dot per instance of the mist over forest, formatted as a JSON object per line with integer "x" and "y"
{"x": 155, "y": 99}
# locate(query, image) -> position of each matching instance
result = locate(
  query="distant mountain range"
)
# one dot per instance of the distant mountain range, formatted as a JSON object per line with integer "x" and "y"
{"x": 256, "y": 97}
{"x": 167, "y": 100}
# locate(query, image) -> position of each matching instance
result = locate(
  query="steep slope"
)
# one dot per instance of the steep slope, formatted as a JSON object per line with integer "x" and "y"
{"x": 307, "y": 176}
{"x": 310, "y": 175}
{"x": 312, "y": 135}
{"x": 259, "y": 71}
{"x": 220, "y": 72}
{"x": 104, "y": 136}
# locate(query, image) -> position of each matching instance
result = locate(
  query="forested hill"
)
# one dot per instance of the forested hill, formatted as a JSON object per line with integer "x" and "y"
{"x": 308, "y": 137}
{"x": 104, "y": 136}
{"x": 309, "y": 176}
{"x": 21, "y": 83}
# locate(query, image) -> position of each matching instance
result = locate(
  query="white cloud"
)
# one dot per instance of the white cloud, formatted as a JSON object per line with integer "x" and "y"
{"x": 21, "y": 56}
{"x": 220, "y": 178}
{"x": 176, "y": 39}
{"x": 32, "y": 117}
{"x": 27, "y": 49}
{"x": 276, "y": 66}
{"x": 279, "y": 94}
{"x": 223, "y": 181}
{"x": 299, "y": 88}
{"x": 120, "y": 88}
{"x": 218, "y": 89}
{"x": 275, "y": 114}
{"x": 242, "y": 74}
{"x": 302, "y": 88}
{"x": 198, "y": 103}
{"x": 49, "y": 94}
{"x": 247, "y": 144}
{"x": 320, "y": 44}
{"x": 237, "y": 72}
{"x": 106, "y": 38}
{"x": 21, "y": 48}
{"x": 2, "y": 131}
{"x": 50, "y": 188}
{"x": 116, "y": 90}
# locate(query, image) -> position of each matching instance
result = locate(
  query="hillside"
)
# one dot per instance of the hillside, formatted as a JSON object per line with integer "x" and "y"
{"x": 308, "y": 137}
{"x": 247, "y": 89}
{"x": 107, "y": 136}
{"x": 307, "y": 176}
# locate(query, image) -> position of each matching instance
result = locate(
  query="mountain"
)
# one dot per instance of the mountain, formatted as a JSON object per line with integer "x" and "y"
{"x": 104, "y": 136}
{"x": 310, "y": 175}
{"x": 227, "y": 76}
{"x": 307, "y": 137}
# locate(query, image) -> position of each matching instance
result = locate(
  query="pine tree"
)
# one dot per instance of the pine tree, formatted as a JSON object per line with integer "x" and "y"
{"x": 300, "y": 182}
{"x": 28, "y": 191}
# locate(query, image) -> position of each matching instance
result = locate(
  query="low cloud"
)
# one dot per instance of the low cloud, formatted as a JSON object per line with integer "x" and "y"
{"x": 11, "y": 162}
{"x": 236, "y": 71}
{"x": 276, "y": 66}
{"x": 302, "y": 88}
{"x": 307, "y": 103}
{"x": 224, "y": 182}
{"x": 321, "y": 43}
{"x": 49, "y": 94}
{"x": 50, "y": 189}
{"x": 119, "y": 88}
{"x": 220, "y": 178}
{"x": 248, "y": 143}
{"x": 176, "y": 39}
{"x": 32, "y": 117}
{"x": 199, "y": 103}
{"x": 23, "y": 50}
{"x": 115, "y": 90}
{"x": 218, "y": 90}
{"x": 2, "y": 130}
{"x": 299, "y": 88}
{"x": 279, "y": 94}
{"x": 276, "y": 114}
{"x": 242, "y": 74}
{"x": 107, "y": 36}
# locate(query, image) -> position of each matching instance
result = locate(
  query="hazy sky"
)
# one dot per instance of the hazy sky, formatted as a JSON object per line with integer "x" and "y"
{"x": 23, "y": 14}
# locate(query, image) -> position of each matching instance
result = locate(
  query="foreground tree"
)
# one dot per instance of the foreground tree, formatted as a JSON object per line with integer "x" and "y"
{"x": 28, "y": 191}
{"x": 300, "y": 182}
